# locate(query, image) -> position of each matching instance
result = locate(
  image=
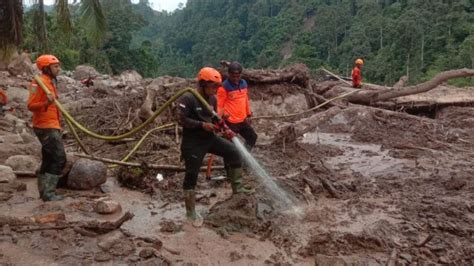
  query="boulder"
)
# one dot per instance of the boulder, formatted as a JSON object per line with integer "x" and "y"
{"x": 17, "y": 94}
{"x": 130, "y": 76}
{"x": 19, "y": 125}
{"x": 83, "y": 72}
{"x": 11, "y": 138}
{"x": 9, "y": 149}
{"x": 22, "y": 162}
{"x": 107, "y": 207}
{"x": 66, "y": 84}
{"x": 87, "y": 174}
{"x": 21, "y": 65}
{"x": 6, "y": 174}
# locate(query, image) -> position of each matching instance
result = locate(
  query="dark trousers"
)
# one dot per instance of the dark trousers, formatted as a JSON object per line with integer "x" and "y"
{"x": 246, "y": 131}
{"x": 193, "y": 150}
{"x": 52, "y": 151}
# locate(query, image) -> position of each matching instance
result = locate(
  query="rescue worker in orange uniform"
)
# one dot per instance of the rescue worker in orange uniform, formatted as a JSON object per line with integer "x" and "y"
{"x": 199, "y": 138}
{"x": 3, "y": 100}
{"x": 233, "y": 105}
{"x": 356, "y": 73}
{"x": 47, "y": 127}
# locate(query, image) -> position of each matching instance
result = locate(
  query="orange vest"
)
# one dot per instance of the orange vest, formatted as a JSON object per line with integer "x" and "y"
{"x": 233, "y": 101}
{"x": 44, "y": 115}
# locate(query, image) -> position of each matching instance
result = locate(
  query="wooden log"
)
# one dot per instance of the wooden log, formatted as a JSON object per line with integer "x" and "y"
{"x": 153, "y": 166}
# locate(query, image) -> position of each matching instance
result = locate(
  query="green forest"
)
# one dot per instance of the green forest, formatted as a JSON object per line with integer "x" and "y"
{"x": 418, "y": 38}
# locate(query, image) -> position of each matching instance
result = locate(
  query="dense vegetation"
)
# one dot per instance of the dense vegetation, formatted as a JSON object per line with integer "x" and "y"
{"x": 395, "y": 37}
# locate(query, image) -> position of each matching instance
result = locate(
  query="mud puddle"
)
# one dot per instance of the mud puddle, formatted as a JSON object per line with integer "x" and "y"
{"x": 368, "y": 160}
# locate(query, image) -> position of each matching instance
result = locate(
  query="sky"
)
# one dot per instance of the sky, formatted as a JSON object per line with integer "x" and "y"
{"x": 168, "y": 5}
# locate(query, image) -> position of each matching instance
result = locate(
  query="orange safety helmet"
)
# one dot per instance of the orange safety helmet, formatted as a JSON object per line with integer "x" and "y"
{"x": 359, "y": 61}
{"x": 209, "y": 74}
{"x": 46, "y": 60}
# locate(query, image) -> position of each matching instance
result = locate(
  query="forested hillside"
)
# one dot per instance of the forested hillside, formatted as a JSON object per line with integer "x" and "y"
{"x": 395, "y": 37}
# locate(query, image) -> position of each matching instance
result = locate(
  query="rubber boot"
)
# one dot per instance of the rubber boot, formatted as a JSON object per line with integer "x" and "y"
{"x": 235, "y": 175}
{"x": 190, "y": 203}
{"x": 49, "y": 192}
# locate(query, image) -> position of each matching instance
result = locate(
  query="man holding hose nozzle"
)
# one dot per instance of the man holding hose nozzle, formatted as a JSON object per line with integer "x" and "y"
{"x": 199, "y": 137}
{"x": 47, "y": 127}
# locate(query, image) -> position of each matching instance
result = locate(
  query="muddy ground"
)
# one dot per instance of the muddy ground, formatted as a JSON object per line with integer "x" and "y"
{"x": 374, "y": 186}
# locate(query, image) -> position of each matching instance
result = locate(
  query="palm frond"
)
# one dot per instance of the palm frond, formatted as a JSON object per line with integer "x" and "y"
{"x": 64, "y": 18}
{"x": 93, "y": 20}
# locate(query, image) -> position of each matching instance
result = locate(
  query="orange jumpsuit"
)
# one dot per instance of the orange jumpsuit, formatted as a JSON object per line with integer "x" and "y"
{"x": 356, "y": 77}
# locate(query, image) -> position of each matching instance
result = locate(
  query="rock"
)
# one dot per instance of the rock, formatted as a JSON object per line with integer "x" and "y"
{"x": 22, "y": 163}
{"x": 66, "y": 83}
{"x": 455, "y": 183}
{"x": 87, "y": 174}
{"x": 323, "y": 260}
{"x": 106, "y": 241}
{"x": 21, "y": 65}
{"x": 83, "y": 72}
{"x": 235, "y": 256}
{"x": 107, "y": 207}
{"x": 444, "y": 260}
{"x": 17, "y": 94}
{"x": 147, "y": 253}
{"x": 8, "y": 149}
{"x": 406, "y": 257}
{"x": 6, "y": 174}
{"x": 19, "y": 124}
{"x": 130, "y": 76}
{"x": 169, "y": 227}
{"x": 11, "y": 138}
{"x": 102, "y": 257}
{"x": 29, "y": 138}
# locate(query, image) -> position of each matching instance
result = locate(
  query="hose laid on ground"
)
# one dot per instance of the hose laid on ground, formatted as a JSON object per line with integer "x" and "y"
{"x": 131, "y": 132}
{"x": 306, "y": 111}
{"x": 140, "y": 142}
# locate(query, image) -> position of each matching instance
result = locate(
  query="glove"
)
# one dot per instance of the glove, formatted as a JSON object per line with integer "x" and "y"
{"x": 208, "y": 127}
{"x": 221, "y": 127}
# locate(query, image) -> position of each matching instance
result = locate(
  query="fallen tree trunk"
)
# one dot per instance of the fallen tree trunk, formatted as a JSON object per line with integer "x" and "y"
{"x": 368, "y": 97}
{"x": 298, "y": 74}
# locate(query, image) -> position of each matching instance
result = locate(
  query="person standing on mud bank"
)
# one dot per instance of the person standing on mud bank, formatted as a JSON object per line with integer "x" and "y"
{"x": 233, "y": 104}
{"x": 47, "y": 127}
{"x": 199, "y": 138}
{"x": 356, "y": 73}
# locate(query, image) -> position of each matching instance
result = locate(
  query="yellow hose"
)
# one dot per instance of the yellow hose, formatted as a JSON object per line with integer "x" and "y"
{"x": 140, "y": 142}
{"x": 131, "y": 132}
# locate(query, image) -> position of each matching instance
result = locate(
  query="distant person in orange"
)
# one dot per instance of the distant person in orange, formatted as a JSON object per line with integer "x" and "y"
{"x": 47, "y": 127}
{"x": 233, "y": 104}
{"x": 3, "y": 100}
{"x": 356, "y": 74}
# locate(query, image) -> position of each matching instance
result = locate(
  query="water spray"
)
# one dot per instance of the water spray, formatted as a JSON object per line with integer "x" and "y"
{"x": 283, "y": 200}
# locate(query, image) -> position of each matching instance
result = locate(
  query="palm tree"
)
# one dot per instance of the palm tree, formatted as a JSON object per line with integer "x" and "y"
{"x": 11, "y": 19}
